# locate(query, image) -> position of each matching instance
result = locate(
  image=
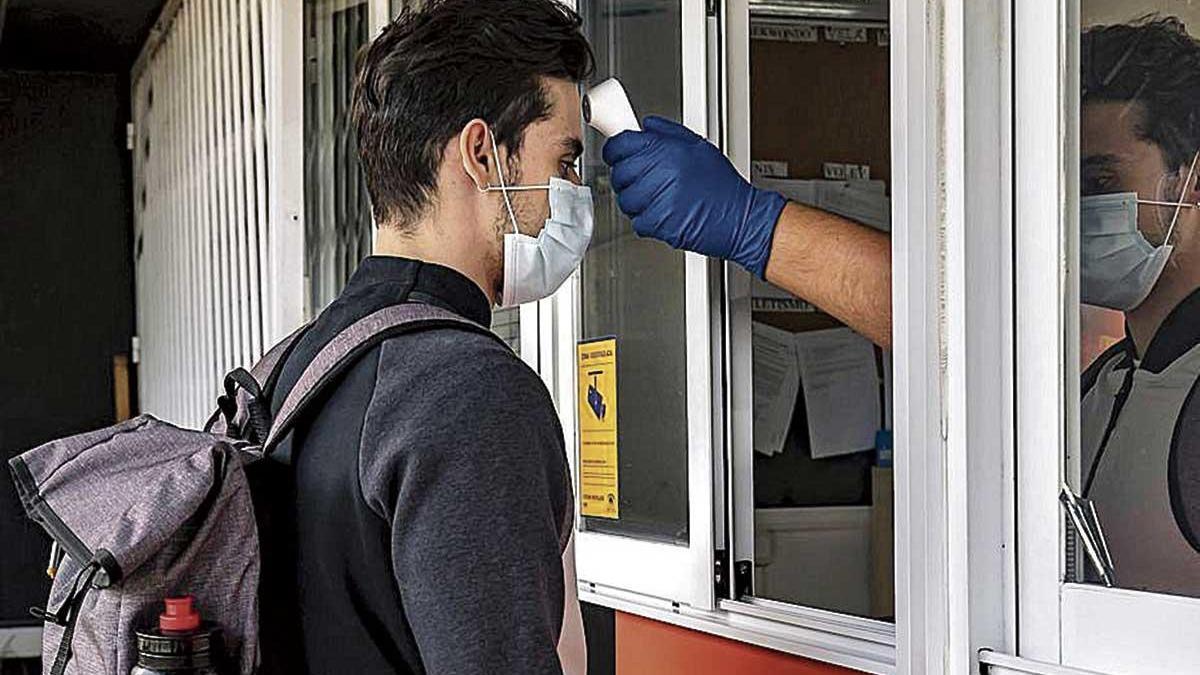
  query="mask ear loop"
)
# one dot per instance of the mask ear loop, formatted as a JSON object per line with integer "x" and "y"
{"x": 503, "y": 188}
{"x": 1182, "y": 192}
{"x": 1160, "y": 202}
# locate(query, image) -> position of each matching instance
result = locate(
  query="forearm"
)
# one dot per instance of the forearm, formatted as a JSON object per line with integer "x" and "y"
{"x": 840, "y": 266}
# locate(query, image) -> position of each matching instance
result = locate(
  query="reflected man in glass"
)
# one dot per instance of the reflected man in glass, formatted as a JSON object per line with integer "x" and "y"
{"x": 1139, "y": 247}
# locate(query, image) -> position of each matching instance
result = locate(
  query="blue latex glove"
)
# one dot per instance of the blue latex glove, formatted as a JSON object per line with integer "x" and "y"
{"x": 678, "y": 188}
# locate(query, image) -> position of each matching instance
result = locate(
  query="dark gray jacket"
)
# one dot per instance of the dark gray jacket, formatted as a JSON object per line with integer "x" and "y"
{"x": 419, "y": 515}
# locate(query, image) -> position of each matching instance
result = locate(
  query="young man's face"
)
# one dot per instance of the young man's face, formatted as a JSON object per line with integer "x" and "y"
{"x": 1116, "y": 159}
{"x": 549, "y": 148}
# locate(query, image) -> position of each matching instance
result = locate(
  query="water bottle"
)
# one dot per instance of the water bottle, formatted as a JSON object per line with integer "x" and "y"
{"x": 181, "y": 644}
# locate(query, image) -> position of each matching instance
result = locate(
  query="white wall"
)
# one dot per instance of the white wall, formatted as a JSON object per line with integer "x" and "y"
{"x": 218, "y": 271}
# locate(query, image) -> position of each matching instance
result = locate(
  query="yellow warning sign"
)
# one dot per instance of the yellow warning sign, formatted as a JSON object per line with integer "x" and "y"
{"x": 599, "y": 493}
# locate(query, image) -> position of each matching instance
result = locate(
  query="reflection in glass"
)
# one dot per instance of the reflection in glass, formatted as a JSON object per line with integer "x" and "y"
{"x": 506, "y": 322}
{"x": 633, "y": 288}
{"x": 1139, "y": 237}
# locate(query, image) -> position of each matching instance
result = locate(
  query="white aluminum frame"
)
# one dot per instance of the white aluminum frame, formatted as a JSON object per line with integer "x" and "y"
{"x": 606, "y": 563}
{"x": 828, "y": 632}
{"x": 998, "y": 663}
{"x": 951, "y": 212}
{"x": 284, "y": 48}
{"x": 952, "y": 326}
{"x": 379, "y": 14}
{"x": 1076, "y": 625}
{"x": 955, "y": 577}
{"x": 918, "y": 206}
{"x": 1040, "y": 287}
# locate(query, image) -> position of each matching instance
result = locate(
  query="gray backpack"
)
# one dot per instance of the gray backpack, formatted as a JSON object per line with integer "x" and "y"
{"x": 144, "y": 509}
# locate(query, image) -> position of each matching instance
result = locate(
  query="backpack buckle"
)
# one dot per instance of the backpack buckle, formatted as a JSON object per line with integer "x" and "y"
{"x": 45, "y": 615}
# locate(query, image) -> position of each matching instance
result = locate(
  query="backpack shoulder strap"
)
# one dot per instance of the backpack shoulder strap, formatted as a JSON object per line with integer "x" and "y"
{"x": 257, "y": 382}
{"x": 340, "y": 352}
{"x": 1183, "y": 468}
{"x": 266, "y": 369}
{"x": 1087, "y": 380}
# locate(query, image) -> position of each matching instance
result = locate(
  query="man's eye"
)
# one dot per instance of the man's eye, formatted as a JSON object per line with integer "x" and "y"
{"x": 1099, "y": 183}
{"x": 565, "y": 169}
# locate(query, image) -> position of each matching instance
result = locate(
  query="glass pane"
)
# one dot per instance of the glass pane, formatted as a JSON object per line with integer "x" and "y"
{"x": 633, "y": 289}
{"x": 336, "y": 206}
{"x": 1138, "y": 459}
{"x": 506, "y": 323}
{"x": 823, "y": 527}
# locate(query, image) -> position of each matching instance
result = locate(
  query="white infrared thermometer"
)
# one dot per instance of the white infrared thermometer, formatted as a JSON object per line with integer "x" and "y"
{"x": 606, "y": 108}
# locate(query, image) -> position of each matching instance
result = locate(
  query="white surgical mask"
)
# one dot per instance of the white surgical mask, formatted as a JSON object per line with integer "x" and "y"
{"x": 534, "y": 267}
{"x": 1120, "y": 267}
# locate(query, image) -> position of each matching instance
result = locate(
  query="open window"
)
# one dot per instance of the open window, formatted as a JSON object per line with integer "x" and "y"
{"x": 811, "y": 466}
{"x": 680, "y": 518}
{"x": 638, "y": 411}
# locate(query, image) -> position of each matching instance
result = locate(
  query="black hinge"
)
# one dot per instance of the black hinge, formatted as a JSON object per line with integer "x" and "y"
{"x": 743, "y": 578}
{"x": 721, "y": 574}
{"x": 711, "y": 7}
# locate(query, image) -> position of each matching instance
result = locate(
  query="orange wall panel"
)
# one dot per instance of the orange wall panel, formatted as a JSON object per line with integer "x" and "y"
{"x": 646, "y": 647}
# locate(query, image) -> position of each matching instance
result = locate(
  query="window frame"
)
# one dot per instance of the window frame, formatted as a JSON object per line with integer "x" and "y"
{"x": 921, "y": 632}
{"x": 735, "y": 325}
{"x": 678, "y": 574}
{"x": 1075, "y": 625}
{"x": 948, "y": 601}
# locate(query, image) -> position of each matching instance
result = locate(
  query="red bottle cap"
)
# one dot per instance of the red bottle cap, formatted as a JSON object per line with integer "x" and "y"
{"x": 180, "y": 616}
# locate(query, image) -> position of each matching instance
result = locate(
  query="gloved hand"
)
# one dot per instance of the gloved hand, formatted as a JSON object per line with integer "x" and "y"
{"x": 678, "y": 188}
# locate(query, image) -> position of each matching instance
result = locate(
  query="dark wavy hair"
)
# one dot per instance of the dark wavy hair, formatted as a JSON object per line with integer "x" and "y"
{"x": 436, "y": 68}
{"x": 1153, "y": 62}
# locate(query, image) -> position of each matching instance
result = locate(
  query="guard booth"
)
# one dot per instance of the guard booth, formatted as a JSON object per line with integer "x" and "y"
{"x": 759, "y": 489}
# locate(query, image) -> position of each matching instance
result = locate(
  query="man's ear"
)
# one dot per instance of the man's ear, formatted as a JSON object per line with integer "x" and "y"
{"x": 1185, "y": 182}
{"x": 475, "y": 148}
{"x": 1191, "y": 189}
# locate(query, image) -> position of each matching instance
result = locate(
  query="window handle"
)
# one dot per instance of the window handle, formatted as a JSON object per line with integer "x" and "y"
{"x": 1082, "y": 513}
{"x": 1094, "y": 519}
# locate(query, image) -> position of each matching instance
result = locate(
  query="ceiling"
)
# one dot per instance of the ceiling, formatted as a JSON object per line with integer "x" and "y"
{"x": 80, "y": 35}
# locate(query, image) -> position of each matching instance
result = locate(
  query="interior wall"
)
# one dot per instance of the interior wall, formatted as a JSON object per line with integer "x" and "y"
{"x": 66, "y": 304}
{"x": 817, "y": 102}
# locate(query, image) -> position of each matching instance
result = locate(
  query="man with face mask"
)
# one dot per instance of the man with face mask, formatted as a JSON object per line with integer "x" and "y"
{"x": 427, "y": 523}
{"x": 1140, "y": 254}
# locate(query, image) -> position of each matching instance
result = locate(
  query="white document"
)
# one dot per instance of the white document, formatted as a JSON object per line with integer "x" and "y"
{"x": 767, "y": 168}
{"x": 767, "y": 297}
{"x": 776, "y": 383}
{"x": 863, "y": 201}
{"x": 858, "y": 201}
{"x": 801, "y": 191}
{"x": 841, "y": 391}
